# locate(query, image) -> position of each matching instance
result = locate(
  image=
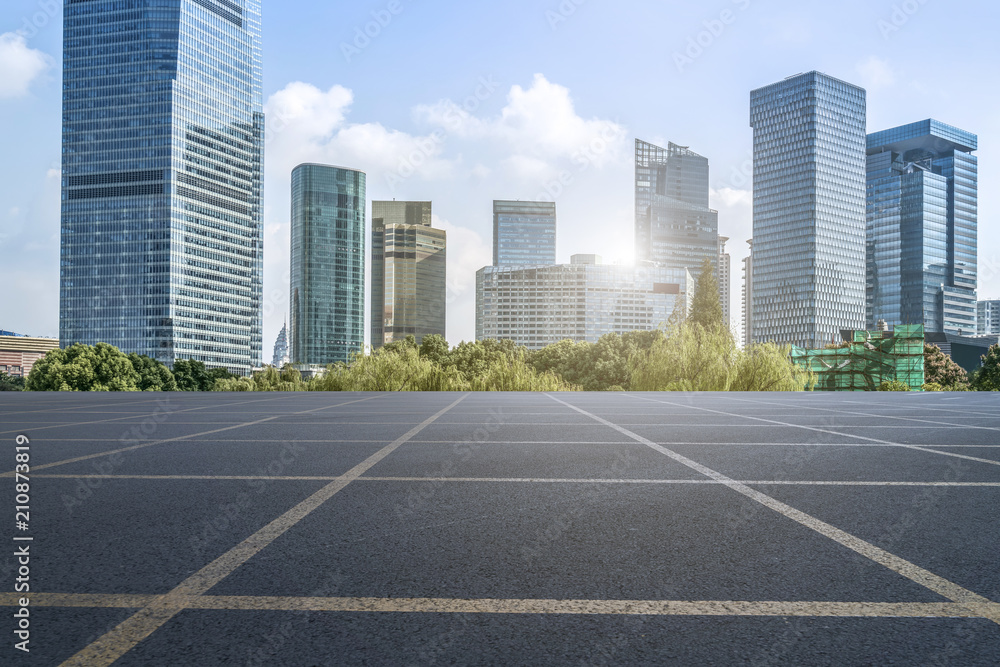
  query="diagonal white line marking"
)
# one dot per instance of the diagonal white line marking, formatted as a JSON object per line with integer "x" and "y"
{"x": 153, "y": 443}
{"x": 777, "y": 422}
{"x": 119, "y": 641}
{"x": 925, "y": 578}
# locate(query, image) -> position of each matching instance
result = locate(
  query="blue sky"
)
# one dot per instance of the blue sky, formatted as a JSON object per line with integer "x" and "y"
{"x": 462, "y": 103}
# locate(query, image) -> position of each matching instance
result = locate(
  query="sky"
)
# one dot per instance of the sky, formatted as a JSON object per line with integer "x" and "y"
{"x": 462, "y": 103}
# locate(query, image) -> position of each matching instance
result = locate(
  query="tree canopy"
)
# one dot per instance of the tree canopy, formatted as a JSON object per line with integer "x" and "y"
{"x": 942, "y": 370}
{"x": 80, "y": 367}
{"x": 706, "y": 308}
{"x": 987, "y": 378}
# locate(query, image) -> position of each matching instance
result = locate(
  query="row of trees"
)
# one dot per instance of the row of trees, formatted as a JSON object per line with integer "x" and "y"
{"x": 695, "y": 352}
{"x": 104, "y": 367}
{"x": 941, "y": 373}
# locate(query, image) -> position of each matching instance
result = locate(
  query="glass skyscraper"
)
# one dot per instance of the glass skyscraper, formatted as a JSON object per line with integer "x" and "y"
{"x": 674, "y": 226}
{"x": 808, "y": 278}
{"x": 327, "y": 265}
{"x": 409, "y": 272}
{"x": 163, "y": 128}
{"x": 922, "y": 227}
{"x": 524, "y": 233}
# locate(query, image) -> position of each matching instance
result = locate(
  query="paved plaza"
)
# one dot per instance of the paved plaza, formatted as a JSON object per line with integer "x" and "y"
{"x": 516, "y": 529}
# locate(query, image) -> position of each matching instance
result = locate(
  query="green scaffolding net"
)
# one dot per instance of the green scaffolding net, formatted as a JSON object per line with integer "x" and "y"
{"x": 871, "y": 358}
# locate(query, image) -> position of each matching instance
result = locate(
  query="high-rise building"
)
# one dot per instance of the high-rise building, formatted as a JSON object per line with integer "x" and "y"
{"x": 922, "y": 227}
{"x": 163, "y": 124}
{"x": 327, "y": 265}
{"x": 581, "y": 301}
{"x": 808, "y": 210}
{"x": 674, "y": 226}
{"x": 524, "y": 233}
{"x": 280, "y": 356}
{"x": 748, "y": 296}
{"x": 409, "y": 264}
{"x": 725, "y": 276}
{"x": 988, "y": 318}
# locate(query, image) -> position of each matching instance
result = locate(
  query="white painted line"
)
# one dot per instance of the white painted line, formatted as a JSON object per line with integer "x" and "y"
{"x": 915, "y": 573}
{"x": 123, "y": 638}
{"x": 920, "y": 448}
{"x": 513, "y": 480}
{"x": 144, "y": 445}
{"x": 520, "y": 606}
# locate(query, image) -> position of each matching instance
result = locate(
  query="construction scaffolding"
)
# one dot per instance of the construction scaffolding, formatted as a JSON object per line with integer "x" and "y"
{"x": 868, "y": 360}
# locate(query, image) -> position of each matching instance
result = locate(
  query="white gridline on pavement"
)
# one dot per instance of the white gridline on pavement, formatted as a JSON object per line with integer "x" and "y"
{"x": 964, "y": 603}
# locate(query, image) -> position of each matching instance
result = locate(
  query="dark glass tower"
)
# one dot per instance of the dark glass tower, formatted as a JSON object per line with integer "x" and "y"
{"x": 409, "y": 272}
{"x": 808, "y": 210}
{"x": 524, "y": 233}
{"x": 674, "y": 227}
{"x": 922, "y": 227}
{"x": 327, "y": 265}
{"x": 161, "y": 183}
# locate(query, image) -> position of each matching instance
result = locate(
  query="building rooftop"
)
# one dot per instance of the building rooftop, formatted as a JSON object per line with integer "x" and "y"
{"x": 931, "y": 135}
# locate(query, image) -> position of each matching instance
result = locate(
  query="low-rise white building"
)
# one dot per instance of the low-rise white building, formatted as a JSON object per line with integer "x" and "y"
{"x": 580, "y": 301}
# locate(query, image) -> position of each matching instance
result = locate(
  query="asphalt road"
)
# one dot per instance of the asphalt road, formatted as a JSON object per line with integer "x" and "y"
{"x": 514, "y": 529}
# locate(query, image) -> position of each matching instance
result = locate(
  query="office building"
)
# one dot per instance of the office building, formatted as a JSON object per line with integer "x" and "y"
{"x": 747, "y": 297}
{"x": 725, "y": 289}
{"x": 163, "y": 124}
{"x": 18, "y": 354}
{"x": 409, "y": 272}
{"x": 580, "y": 301}
{"x": 524, "y": 233}
{"x": 327, "y": 265}
{"x": 674, "y": 226}
{"x": 280, "y": 356}
{"x": 809, "y": 210}
{"x": 988, "y": 318}
{"x": 922, "y": 227}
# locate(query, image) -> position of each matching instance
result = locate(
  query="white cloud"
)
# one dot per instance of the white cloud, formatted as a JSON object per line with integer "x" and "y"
{"x": 875, "y": 73}
{"x": 539, "y": 126}
{"x": 20, "y": 65}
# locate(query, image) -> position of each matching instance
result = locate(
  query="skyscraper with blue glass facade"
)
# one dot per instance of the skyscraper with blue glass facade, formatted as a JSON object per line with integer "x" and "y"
{"x": 922, "y": 227}
{"x": 809, "y": 210}
{"x": 163, "y": 129}
{"x": 327, "y": 265}
{"x": 674, "y": 226}
{"x": 524, "y": 233}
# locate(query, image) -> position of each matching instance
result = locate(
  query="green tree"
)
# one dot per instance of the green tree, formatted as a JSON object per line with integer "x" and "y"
{"x": 706, "y": 308}
{"x": 893, "y": 385}
{"x": 191, "y": 375}
{"x": 941, "y": 369}
{"x": 690, "y": 358}
{"x": 153, "y": 376}
{"x": 10, "y": 383}
{"x": 268, "y": 379}
{"x": 987, "y": 378}
{"x": 435, "y": 349}
{"x": 473, "y": 359}
{"x": 80, "y": 367}
{"x": 768, "y": 367}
